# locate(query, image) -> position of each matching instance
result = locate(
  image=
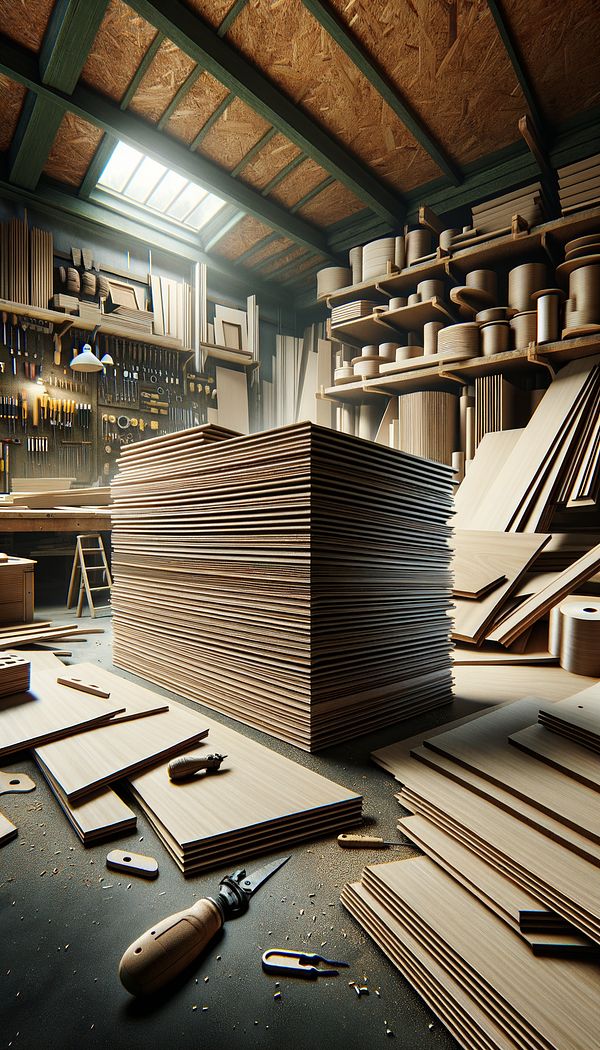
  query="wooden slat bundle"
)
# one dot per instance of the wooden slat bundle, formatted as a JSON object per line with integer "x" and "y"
{"x": 296, "y": 579}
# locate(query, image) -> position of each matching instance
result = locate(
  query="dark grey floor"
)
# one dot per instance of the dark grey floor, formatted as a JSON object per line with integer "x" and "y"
{"x": 65, "y": 920}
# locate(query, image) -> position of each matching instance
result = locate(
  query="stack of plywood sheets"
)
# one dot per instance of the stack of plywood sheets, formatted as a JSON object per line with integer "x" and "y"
{"x": 297, "y": 580}
{"x": 258, "y": 802}
{"x": 14, "y": 673}
{"x": 576, "y": 718}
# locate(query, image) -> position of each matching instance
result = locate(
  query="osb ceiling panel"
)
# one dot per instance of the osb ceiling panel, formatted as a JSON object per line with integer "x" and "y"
{"x": 164, "y": 76}
{"x": 560, "y": 44}
{"x": 301, "y": 180}
{"x": 72, "y": 150}
{"x": 241, "y": 237}
{"x": 292, "y": 49}
{"x": 11, "y": 101}
{"x": 295, "y": 252}
{"x": 270, "y": 249}
{"x": 334, "y": 203}
{"x": 196, "y": 107}
{"x": 24, "y": 21}
{"x": 447, "y": 60}
{"x": 120, "y": 45}
{"x": 212, "y": 11}
{"x": 269, "y": 161}
{"x": 233, "y": 135}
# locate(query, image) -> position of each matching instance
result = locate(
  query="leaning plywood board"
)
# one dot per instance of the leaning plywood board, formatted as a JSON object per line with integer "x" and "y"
{"x": 213, "y": 819}
{"x": 533, "y": 608}
{"x": 475, "y": 573}
{"x": 506, "y": 553}
{"x": 482, "y": 469}
{"x": 552, "y": 1003}
{"x": 48, "y": 711}
{"x": 89, "y": 761}
{"x": 561, "y": 753}
{"x": 483, "y": 747}
{"x": 232, "y": 394}
{"x": 535, "y": 651}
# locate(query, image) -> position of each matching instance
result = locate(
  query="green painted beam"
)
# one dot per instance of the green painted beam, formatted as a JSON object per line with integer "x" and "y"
{"x": 251, "y": 154}
{"x": 196, "y": 38}
{"x": 141, "y": 70}
{"x": 179, "y": 96}
{"x": 293, "y": 263}
{"x": 212, "y": 120}
{"x": 332, "y": 23}
{"x": 272, "y": 258}
{"x": 20, "y": 65}
{"x": 316, "y": 190}
{"x": 517, "y": 63}
{"x": 70, "y": 34}
{"x": 225, "y": 229}
{"x": 304, "y": 276}
{"x": 99, "y": 162}
{"x": 231, "y": 16}
{"x": 283, "y": 174}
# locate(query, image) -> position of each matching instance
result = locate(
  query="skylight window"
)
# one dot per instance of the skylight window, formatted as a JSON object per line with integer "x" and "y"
{"x": 131, "y": 176}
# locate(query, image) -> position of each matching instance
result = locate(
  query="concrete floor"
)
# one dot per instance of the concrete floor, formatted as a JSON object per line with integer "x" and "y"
{"x": 65, "y": 921}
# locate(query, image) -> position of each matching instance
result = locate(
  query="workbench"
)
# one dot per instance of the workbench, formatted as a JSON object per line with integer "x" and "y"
{"x": 73, "y": 519}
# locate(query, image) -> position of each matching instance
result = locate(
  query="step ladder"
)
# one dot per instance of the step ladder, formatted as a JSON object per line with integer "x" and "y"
{"x": 90, "y": 575}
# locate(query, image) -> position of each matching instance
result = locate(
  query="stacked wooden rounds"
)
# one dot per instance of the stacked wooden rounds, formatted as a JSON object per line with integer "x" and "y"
{"x": 430, "y": 290}
{"x": 405, "y": 353}
{"x": 418, "y": 243}
{"x": 575, "y": 635}
{"x": 388, "y": 351}
{"x": 484, "y": 281}
{"x": 343, "y": 374}
{"x": 430, "y": 336}
{"x": 367, "y": 367}
{"x": 524, "y": 326}
{"x": 459, "y": 340}
{"x": 355, "y": 257}
{"x": 332, "y": 278}
{"x": 14, "y": 674}
{"x": 523, "y": 281}
{"x": 397, "y": 302}
{"x": 494, "y": 313}
{"x": 446, "y": 238}
{"x": 548, "y": 302}
{"x": 582, "y": 266}
{"x": 495, "y": 338}
{"x": 377, "y": 255}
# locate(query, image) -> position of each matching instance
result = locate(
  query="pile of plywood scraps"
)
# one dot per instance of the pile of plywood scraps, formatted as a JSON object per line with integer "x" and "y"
{"x": 506, "y": 583}
{"x": 297, "y": 579}
{"x": 90, "y": 497}
{"x": 554, "y": 462}
{"x": 13, "y": 636}
{"x": 90, "y": 729}
{"x": 498, "y": 926}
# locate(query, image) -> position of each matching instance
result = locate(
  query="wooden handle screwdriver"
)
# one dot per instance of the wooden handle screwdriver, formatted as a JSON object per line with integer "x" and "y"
{"x": 365, "y": 842}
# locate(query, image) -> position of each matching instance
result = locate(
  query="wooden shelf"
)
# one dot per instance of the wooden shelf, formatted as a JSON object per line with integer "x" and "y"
{"x": 107, "y": 327}
{"x": 453, "y": 374}
{"x": 391, "y": 325}
{"x": 225, "y": 353}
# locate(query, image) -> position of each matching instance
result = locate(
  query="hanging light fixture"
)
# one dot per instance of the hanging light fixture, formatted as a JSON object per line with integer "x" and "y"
{"x": 106, "y": 360}
{"x": 86, "y": 360}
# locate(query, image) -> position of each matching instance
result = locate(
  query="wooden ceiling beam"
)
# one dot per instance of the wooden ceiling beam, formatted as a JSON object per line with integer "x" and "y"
{"x": 316, "y": 190}
{"x": 327, "y": 17}
{"x": 20, "y": 65}
{"x": 254, "y": 248}
{"x": 196, "y": 38}
{"x": 209, "y": 242}
{"x": 517, "y": 63}
{"x": 70, "y": 34}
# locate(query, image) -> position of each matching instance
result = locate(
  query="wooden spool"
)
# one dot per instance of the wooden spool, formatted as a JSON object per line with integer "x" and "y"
{"x": 344, "y": 374}
{"x": 495, "y": 313}
{"x": 574, "y": 635}
{"x": 399, "y": 252}
{"x": 376, "y": 256}
{"x": 413, "y": 299}
{"x": 404, "y": 353}
{"x": 458, "y": 464}
{"x": 548, "y": 314}
{"x": 398, "y": 302}
{"x": 523, "y": 281}
{"x": 418, "y": 243}
{"x": 461, "y": 340}
{"x": 430, "y": 289}
{"x": 524, "y": 326}
{"x": 584, "y": 289}
{"x": 495, "y": 338}
{"x": 370, "y": 351}
{"x": 388, "y": 351}
{"x": 446, "y": 238}
{"x": 484, "y": 280}
{"x": 367, "y": 367}
{"x": 355, "y": 258}
{"x": 332, "y": 278}
{"x": 430, "y": 336}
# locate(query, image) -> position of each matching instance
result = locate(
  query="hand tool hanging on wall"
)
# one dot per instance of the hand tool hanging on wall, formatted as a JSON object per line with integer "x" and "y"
{"x": 170, "y": 946}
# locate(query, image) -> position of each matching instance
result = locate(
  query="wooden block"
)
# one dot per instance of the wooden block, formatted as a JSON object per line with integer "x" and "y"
{"x": 84, "y": 686}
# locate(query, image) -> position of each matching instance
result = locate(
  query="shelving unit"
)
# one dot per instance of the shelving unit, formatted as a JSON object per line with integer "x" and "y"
{"x": 107, "y": 326}
{"x": 391, "y": 324}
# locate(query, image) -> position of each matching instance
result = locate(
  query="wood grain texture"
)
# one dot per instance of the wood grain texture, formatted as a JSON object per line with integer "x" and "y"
{"x": 102, "y": 815}
{"x": 212, "y": 11}
{"x": 301, "y": 180}
{"x": 493, "y": 448}
{"x": 269, "y": 161}
{"x": 335, "y": 202}
{"x": 273, "y": 248}
{"x": 290, "y": 47}
{"x": 243, "y": 235}
{"x": 577, "y": 718}
{"x": 72, "y": 150}
{"x": 449, "y": 64}
{"x": 120, "y": 45}
{"x": 233, "y": 135}
{"x": 198, "y": 104}
{"x": 24, "y": 22}
{"x": 559, "y": 752}
{"x": 11, "y": 101}
{"x": 165, "y": 75}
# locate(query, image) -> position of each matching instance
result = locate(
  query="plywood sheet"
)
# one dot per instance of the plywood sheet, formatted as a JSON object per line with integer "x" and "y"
{"x": 481, "y": 472}
{"x": 120, "y": 45}
{"x": 100, "y": 816}
{"x": 212, "y": 11}
{"x": 236, "y": 131}
{"x": 24, "y": 22}
{"x": 568, "y": 84}
{"x": 559, "y": 752}
{"x": 334, "y": 203}
{"x": 290, "y": 47}
{"x": 241, "y": 237}
{"x": 448, "y": 62}
{"x": 269, "y": 161}
{"x": 165, "y": 75}
{"x": 301, "y": 180}
{"x": 11, "y": 101}
{"x": 295, "y": 252}
{"x": 232, "y": 394}
{"x": 72, "y": 150}
{"x": 197, "y": 105}
{"x": 88, "y": 761}
{"x": 273, "y": 248}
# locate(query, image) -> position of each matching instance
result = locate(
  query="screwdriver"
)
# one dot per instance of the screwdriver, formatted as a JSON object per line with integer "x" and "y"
{"x": 365, "y": 842}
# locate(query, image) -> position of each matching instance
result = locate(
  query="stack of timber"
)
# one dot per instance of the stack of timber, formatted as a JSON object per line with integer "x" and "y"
{"x": 497, "y": 214}
{"x": 579, "y": 184}
{"x": 297, "y": 580}
{"x": 14, "y": 673}
{"x": 497, "y": 927}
